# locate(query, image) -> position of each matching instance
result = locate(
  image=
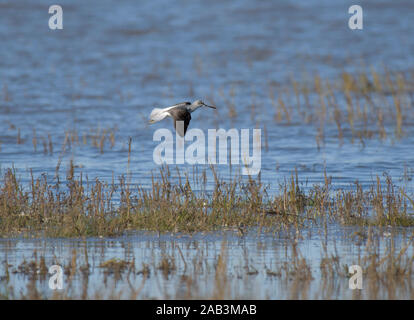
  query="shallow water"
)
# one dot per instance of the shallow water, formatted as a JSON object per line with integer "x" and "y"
{"x": 114, "y": 61}
{"x": 251, "y": 266}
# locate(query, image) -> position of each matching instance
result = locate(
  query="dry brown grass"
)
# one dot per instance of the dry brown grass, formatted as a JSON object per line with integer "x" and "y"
{"x": 80, "y": 207}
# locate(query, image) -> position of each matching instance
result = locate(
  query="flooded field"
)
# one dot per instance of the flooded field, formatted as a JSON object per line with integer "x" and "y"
{"x": 79, "y": 187}
{"x": 210, "y": 266}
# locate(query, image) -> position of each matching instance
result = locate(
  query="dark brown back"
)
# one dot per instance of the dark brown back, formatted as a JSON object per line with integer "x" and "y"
{"x": 180, "y": 114}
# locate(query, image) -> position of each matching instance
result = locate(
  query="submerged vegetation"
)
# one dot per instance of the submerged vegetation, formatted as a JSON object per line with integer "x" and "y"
{"x": 352, "y": 107}
{"x": 199, "y": 269}
{"x": 80, "y": 207}
{"x": 365, "y": 105}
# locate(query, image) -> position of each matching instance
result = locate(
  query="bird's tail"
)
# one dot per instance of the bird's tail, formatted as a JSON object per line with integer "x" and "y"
{"x": 157, "y": 114}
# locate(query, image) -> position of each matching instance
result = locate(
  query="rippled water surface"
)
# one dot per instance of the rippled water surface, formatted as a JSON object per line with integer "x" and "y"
{"x": 116, "y": 60}
{"x": 255, "y": 267}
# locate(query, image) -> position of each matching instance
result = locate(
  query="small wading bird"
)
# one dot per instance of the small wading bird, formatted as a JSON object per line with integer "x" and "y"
{"x": 179, "y": 112}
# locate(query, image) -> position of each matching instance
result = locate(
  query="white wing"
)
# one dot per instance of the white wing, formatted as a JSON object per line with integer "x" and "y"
{"x": 158, "y": 114}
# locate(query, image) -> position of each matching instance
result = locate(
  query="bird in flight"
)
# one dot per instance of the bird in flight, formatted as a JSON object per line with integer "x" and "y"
{"x": 179, "y": 112}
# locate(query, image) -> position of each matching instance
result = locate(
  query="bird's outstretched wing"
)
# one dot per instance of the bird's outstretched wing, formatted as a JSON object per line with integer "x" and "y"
{"x": 158, "y": 114}
{"x": 181, "y": 104}
{"x": 180, "y": 114}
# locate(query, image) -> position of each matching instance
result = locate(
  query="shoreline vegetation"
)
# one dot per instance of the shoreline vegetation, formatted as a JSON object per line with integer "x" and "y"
{"x": 79, "y": 207}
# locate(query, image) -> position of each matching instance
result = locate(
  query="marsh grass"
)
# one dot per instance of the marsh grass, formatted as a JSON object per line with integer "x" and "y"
{"x": 99, "y": 138}
{"x": 81, "y": 207}
{"x": 364, "y": 105}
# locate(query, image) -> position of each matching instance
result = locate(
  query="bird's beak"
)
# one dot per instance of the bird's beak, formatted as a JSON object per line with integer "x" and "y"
{"x": 213, "y": 107}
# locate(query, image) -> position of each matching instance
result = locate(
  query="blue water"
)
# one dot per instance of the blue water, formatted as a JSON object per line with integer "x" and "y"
{"x": 251, "y": 265}
{"x": 114, "y": 61}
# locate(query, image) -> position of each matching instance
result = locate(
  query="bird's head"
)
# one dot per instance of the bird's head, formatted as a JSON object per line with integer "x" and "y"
{"x": 198, "y": 103}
